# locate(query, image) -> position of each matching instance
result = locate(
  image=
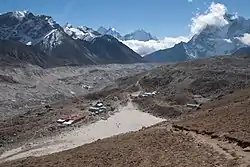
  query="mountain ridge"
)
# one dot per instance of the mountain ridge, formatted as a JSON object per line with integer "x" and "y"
{"x": 64, "y": 44}
{"x": 211, "y": 41}
{"x": 139, "y": 34}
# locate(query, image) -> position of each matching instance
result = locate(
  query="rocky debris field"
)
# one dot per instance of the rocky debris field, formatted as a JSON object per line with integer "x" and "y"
{"x": 25, "y": 87}
{"x": 212, "y": 77}
{"x": 192, "y": 82}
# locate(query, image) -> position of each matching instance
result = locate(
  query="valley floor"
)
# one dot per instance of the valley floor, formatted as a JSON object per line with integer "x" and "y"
{"x": 215, "y": 134}
{"x": 197, "y": 140}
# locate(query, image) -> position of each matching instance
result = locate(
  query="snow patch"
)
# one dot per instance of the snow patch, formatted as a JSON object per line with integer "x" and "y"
{"x": 19, "y": 14}
{"x": 29, "y": 43}
{"x": 82, "y": 32}
{"x": 52, "y": 31}
{"x": 235, "y": 16}
{"x": 228, "y": 40}
{"x": 51, "y": 22}
{"x": 52, "y": 39}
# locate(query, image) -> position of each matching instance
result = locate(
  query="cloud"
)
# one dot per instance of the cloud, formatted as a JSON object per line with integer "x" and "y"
{"x": 213, "y": 16}
{"x": 146, "y": 47}
{"x": 245, "y": 39}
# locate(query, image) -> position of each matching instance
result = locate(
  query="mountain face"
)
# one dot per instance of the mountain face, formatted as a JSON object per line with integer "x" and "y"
{"x": 139, "y": 35}
{"x": 28, "y": 29}
{"x": 18, "y": 54}
{"x": 45, "y": 34}
{"x": 105, "y": 48}
{"x": 212, "y": 40}
{"x": 102, "y": 30}
{"x": 174, "y": 54}
{"x": 114, "y": 33}
{"x": 64, "y": 45}
{"x": 110, "y": 31}
{"x": 82, "y": 33}
{"x": 243, "y": 51}
{"x": 113, "y": 50}
{"x": 219, "y": 40}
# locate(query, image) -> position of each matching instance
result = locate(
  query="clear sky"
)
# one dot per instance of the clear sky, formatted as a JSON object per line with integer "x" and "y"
{"x": 160, "y": 17}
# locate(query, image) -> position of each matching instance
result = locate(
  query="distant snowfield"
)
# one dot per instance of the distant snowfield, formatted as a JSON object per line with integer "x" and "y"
{"x": 128, "y": 119}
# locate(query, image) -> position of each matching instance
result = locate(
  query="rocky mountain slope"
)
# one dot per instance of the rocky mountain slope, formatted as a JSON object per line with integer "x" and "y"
{"x": 195, "y": 82}
{"x": 110, "y": 31}
{"x": 211, "y": 41}
{"x": 65, "y": 45}
{"x": 140, "y": 35}
{"x": 174, "y": 54}
{"x": 112, "y": 50}
{"x": 18, "y": 54}
{"x": 210, "y": 77}
{"x": 106, "y": 48}
{"x": 243, "y": 51}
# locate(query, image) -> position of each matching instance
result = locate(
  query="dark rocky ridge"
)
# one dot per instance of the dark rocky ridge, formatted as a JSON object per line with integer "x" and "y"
{"x": 17, "y": 54}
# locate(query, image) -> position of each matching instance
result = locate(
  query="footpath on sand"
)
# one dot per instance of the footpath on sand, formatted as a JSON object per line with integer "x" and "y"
{"x": 129, "y": 118}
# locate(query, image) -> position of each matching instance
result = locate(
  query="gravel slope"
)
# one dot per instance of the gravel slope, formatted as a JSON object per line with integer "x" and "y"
{"x": 154, "y": 147}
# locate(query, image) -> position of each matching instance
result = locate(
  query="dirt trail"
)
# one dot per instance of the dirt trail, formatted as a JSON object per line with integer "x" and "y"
{"x": 138, "y": 81}
{"x": 228, "y": 148}
{"x": 225, "y": 147}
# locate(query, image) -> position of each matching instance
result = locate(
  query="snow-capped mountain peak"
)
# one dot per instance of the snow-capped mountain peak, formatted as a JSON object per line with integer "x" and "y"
{"x": 51, "y": 22}
{"x": 63, "y": 45}
{"x": 28, "y": 28}
{"x": 102, "y": 30}
{"x": 20, "y": 14}
{"x": 112, "y": 31}
{"x": 140, "y": 35}
{"x": 81, "y": 32}
{"x": 219, "y": 40}
{"x": 212, "y": 40}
